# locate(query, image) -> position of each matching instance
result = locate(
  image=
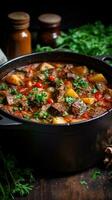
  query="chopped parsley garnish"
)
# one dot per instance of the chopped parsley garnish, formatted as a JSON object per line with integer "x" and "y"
{"x": 20, "y": 108}
{"x": 1, "y": 100}
{"x": 65, "y": 114}
{"x": 37, "y": 96}
{"x": 42, "y": 115}
{"x": 59, "y": 82}
{"x": 40, "y": 97}
{"x": 35, "y": 89}
{"x": 69, "y": 100}
{"x": 18, "y": 96}
{"x": 13, "y": 91}
{"x": 80, "y": 83}
{"x": 46, "y": 73}
{"x": 36, "y": 115}
{"x": 94, "y": 90}
{"x": 3, "y": 86}
{"x": 15, "y": 109}
{"x": 78, "y": 90}
{"x": 27, "y": 117}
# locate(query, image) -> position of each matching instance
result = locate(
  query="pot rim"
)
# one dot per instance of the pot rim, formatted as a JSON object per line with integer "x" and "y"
{"x": 18, "y": 121}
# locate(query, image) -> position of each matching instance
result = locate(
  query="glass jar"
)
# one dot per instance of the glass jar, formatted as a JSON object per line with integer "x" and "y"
{"x": 19, "y": 39}
{"x": 49, "y": 29}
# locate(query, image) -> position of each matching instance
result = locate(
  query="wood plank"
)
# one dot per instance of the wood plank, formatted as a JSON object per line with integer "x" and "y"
{"x": 76, "y": 187}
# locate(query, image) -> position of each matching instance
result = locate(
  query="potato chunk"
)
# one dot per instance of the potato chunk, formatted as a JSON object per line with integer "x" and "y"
{"x": 97, "y": 78}
{"x": 88, "y": 100}
{"x": 71, "y": 93}
{"x": 58, "y": 120}
{"x": 14, "y": 79}
{"x": 80, "y": 70}
{"x": 45, "y": 66}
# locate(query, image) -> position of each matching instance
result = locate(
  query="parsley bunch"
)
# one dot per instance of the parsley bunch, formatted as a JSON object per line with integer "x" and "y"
{"x": 90, "y": 39}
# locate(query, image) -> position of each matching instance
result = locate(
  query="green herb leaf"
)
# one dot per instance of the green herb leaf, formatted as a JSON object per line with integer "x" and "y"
{"x": 69, "y": 100}
{"x": 3, "y": 86}
{"x": 83, "y": 182}
{"x": 14, "y": 181}
{"x": 90, "y": 39}
{"x": 13, "y": 91}
{"x": 27, "y": 117}
{"x": 40, "y": 97}
{"x": 80, "y": 83}
{"x": 22, "y": 189}
{"x": 1, "y": 100}
{"x": 43, "y": 114}
{"x": 19, "y": 96}
{"x": 94, "y": 90}
{"x": 59, "y": 82}
{"x": 95, "y": 174}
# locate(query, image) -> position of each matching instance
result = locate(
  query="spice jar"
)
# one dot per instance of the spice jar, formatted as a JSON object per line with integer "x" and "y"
{"x": 49, "y": 29}
{"x": 19, "y": 39}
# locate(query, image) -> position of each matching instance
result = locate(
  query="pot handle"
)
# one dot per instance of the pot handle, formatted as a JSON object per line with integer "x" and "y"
{"x": 4, "y": 121}
{"x": 106, "y": 58}
{"x": 3, "y": 57}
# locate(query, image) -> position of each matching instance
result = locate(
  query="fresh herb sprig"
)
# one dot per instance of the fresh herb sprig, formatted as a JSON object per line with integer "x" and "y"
{"x": 95, "y": 174}
{"x": 13, "y": 180}
{"x": 90, "y": 39}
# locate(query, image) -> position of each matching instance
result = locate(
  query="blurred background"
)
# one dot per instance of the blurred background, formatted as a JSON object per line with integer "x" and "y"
{"x": 74, "y": 13}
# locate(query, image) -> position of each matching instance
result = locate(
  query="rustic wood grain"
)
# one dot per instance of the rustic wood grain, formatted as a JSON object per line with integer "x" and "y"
{"x": 70, "y": 188}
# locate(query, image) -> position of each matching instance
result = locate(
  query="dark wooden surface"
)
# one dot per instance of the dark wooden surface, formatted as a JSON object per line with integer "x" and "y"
{"x": 80, "y": 186}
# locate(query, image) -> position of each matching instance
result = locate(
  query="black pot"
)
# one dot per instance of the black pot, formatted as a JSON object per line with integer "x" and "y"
{"x": 57, "y": 148}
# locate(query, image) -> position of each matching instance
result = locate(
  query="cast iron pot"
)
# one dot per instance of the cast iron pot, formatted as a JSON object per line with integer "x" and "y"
{"x": 56, "y": 148}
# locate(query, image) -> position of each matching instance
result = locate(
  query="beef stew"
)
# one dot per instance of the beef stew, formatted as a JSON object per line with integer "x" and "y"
{"x": 55, "y": 93}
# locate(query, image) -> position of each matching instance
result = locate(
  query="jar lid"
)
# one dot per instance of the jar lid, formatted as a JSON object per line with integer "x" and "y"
{"x": 49, "y": 19}
{"x": 19, "y": 20}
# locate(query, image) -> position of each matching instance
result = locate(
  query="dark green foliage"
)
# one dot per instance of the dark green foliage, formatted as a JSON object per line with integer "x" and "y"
{"x": 13, "y": 180}
{"x": 91, "y": 39}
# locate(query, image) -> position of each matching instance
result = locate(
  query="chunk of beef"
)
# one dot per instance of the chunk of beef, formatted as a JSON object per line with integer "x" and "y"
{"x": 71, "y": 75}
{"x": 66, "y": 69}
{"x": 78, "y": 107}
{"x": 101, "y": 86}
{"x": 23, "y": 102}
{"x": 97, "y": 111}
{"x": 39, "y": 75}
{"x": 57, "y": 109}
{"x": 10, "y": 99}
{"x": 45, "y": 107}
{"x": 4, "y": 93}
{"x": 60, "y": 94}
{"x": 28, "y": 71}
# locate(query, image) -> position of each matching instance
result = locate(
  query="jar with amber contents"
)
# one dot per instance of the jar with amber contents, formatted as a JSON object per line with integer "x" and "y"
{"x": 49, "y": 29}
{"x": 19, "y": 39}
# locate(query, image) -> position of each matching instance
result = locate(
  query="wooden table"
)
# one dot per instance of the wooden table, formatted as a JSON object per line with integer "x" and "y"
{"x": 82, "y": 186}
